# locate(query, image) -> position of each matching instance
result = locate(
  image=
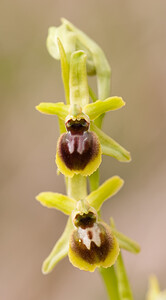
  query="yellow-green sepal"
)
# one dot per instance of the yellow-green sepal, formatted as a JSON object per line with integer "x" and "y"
{"x": 65, "y": 70}
{"x": 124, "y": 241}
{"x": 60, "y": 249}
{"x": 109, "y": 146}
{"x": 108, "y": 189}
{"x": 58, "y": 201}
{"x": 60, "y": 109}
{"x": 95, "y": 109}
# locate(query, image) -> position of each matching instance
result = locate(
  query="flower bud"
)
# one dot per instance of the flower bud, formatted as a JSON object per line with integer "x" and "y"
{"x": 78, "y": 150}
{"x": 67, "y": 38}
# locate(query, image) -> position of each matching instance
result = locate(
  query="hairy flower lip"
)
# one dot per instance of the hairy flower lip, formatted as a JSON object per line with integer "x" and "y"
{"x": 78, "y": 153}
{"x": 93, "y": 247}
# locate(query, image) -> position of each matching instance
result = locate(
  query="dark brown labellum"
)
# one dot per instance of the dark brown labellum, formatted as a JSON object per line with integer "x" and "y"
{"x": 78, "y": 147}
{"x": 92, "y": 244}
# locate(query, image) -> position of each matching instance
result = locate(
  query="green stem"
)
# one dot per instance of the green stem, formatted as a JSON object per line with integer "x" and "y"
{"x": 110, "y": 280}
{"x": 123, "y": 282}
{"x": 77, "y": 187}
{"x": 94, "y": 180}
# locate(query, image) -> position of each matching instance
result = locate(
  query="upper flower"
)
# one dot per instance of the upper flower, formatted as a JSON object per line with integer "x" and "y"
{"x": 78, "y": 150}
{"x": 81, "y": 144}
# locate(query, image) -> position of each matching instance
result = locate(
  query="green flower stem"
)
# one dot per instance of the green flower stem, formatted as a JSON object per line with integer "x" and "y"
{"x": 123, "y": 282}
{"x": 110, "y": 280}
{"x": 77, "y": 187}
{"x": 94, "y": 180}
{"x": 115, "y": 284}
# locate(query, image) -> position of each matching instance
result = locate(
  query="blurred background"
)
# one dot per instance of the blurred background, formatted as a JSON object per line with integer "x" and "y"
{"x": 133, "y": 36}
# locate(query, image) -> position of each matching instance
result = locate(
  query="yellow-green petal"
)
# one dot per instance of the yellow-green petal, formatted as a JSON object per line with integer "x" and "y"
{"x": 60, "y": 249}
{"x": 59, "y": 109}
{"x": 106, "y": 190}
{"x": 110, "y": 147}
{"x": 58, "y": 201}
{"x": 95, "y": 109}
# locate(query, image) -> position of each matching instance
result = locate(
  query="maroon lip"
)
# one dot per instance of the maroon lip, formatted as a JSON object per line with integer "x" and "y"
{"x": 95, "y": 254}
{"x": 77, "y": 150}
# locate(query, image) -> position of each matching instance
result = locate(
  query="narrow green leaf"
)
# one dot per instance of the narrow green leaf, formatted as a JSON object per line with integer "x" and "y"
{"x": 60, "y": 249}
{"x": 79, "y": 93}
{"x": 123, "y": 282}
{"x": 60, "y": 109}
{"x": 125, "y": 242}
{"x": 58, "y": 201}
{"x": 110, "y": 147}
{"x": 95, "y": 109}
{"x": 106, "y": 190}
{"x": 65, "y": 70}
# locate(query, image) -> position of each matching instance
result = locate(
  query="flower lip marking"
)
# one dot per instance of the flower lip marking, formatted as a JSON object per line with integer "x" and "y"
{"x": 90, "y": 235}
{"x": 78, "y": 146}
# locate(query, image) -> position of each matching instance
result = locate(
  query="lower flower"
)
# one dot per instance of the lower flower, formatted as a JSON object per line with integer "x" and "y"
{"x": 92, "y": 244}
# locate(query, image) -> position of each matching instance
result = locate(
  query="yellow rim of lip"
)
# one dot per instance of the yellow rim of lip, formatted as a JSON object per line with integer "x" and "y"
{"x": 90, "y": 168}
{"x": 80, "y": 263}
